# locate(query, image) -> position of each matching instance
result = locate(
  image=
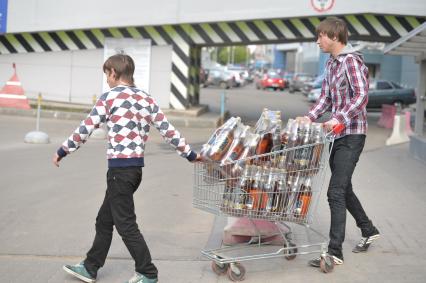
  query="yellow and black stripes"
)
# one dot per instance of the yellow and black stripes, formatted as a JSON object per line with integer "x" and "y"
{"x": 187, "y": 39}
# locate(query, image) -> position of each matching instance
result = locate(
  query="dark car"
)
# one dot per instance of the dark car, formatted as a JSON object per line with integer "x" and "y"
{"x": 299, "y": 79}
{"x": 271, "y": 80}
{"x": 221, "y": 78}
{"x": 287, "y": 77}
{"x": 308, "y": 86}
{"x": 388, "y": 92}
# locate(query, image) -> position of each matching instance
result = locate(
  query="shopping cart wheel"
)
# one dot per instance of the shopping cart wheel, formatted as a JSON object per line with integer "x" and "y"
{"x": 219, "y": 268}
{"x": 326, "y": 264}
{"x": 290, "y": 253}
{"x": 236, "y": 272}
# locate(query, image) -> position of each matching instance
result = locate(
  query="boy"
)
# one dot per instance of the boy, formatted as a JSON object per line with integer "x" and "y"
{"x": 345, "y": 91}
{"x": 129, "y": 113}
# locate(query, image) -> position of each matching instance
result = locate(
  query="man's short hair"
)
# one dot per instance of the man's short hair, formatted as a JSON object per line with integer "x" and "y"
{"x": 123, "y": 66}
{"x": 334, "y": 28}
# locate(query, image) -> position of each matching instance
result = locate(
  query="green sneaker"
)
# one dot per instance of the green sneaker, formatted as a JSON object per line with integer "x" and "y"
{"x": 80, "y": 272}
{"x": 139, "y": 278}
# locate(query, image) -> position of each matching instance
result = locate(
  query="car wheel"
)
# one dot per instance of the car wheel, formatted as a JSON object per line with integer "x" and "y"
{"x": 223, "y": 85}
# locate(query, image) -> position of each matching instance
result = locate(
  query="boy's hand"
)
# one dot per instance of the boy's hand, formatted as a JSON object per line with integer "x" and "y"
{"x": 199, "y": 158}
{"x": 303, "y": 119}
{"x": 56, "y": 158}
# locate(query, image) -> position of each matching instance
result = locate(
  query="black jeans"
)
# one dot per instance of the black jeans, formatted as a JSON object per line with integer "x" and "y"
{"x": 343, "y": 159}
{"x": 118, "y": 210}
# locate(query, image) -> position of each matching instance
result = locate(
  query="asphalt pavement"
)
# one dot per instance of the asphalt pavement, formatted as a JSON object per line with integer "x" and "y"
{"x": 48, "y": 213}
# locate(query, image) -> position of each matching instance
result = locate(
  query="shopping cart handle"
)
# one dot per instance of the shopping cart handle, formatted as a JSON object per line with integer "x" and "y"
{"x": 337, "y": 129}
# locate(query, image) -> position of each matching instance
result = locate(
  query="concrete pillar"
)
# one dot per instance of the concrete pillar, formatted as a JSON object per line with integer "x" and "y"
{"x": 421, "y": 99}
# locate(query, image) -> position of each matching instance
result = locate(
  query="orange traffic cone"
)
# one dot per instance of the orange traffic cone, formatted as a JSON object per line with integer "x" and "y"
{"x": 12, "y": 94}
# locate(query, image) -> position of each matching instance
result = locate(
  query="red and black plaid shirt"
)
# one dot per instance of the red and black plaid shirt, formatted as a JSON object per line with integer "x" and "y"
{"x": 345, "y": 91}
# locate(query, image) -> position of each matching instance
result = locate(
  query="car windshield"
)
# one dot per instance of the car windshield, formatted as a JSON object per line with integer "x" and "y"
{"x": 274, "y": 76}
{"x": 395, "y": 85}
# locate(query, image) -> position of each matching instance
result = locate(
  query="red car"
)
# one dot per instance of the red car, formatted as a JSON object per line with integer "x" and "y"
{"x": 271, "y": 80}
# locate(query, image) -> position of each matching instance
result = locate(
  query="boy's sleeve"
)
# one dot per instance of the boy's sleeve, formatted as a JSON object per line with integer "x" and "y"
{"x": 358, "y": 81}
{"x": 96, "y": 117}
{"x": 168, "y": 132}
{"x": 323, "y": 103}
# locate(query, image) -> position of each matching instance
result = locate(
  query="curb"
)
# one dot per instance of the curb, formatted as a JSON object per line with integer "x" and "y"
{"x": 195, "y": 118}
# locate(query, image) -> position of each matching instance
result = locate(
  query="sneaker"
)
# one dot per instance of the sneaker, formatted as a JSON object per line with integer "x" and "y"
{"x": 80, "y": 272}
{"x": 365, "y": 242}
{"x": 139, "y": 278}
{"x": 316, "y": 261}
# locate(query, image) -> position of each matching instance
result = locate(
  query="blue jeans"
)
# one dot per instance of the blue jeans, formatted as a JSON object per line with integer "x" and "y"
{"x": 343, "y": 159}
{"x": 118, "y": 210}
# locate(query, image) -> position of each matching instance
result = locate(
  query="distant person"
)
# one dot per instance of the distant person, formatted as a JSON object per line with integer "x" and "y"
{"x": 345, "y": 92}
{"x": 129, "y": 113}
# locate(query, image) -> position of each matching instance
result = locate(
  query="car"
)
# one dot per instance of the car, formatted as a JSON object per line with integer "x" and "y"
{"x": 314, "y": 94}
{"x": 388, "y": 92}
{"x": 287, "y": 77}
{"x": 296, "y": 83}
{"x": 271, "y": 80}
{"x": 221, "y": 78}
{"x": 238, "y": 77}
{"x": 308, "y": 86}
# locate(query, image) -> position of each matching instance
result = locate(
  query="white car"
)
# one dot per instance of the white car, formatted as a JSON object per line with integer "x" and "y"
{"x": 314, "y": 94}
{"x": 239, "y": 80}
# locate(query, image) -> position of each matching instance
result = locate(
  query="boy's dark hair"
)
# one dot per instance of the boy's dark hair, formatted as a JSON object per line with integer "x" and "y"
{"x": 334, "y": 28}
{"x": 123, "y": 66}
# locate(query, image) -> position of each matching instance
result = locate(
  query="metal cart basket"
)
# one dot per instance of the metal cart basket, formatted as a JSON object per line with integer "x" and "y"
{"x": 282, "y": 187}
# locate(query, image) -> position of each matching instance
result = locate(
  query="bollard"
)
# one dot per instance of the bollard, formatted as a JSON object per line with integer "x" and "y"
{"x": 387, "y": 116}
{"x": 222, "y": 107}
{"x": 37, "y": 136}
{"x": 399, "y": 134}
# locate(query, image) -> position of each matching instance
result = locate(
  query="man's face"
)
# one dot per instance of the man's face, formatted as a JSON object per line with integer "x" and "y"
{"x": 325, "y": 43}
{"x": 111, "y": 80}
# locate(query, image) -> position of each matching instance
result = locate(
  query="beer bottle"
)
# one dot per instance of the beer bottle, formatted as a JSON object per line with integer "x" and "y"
{"x": 318, "y": 146}
{"x": 257, "y": 200}
{"x": 302, "y": 155}
{"x": 293, "y": 142}
{"x": 280, "y": 199}
{"x": 223, "y": 141}
{"x": 294, "y": 184}
{"x": 250, "y": 144}
{"x": 237, "y": 145}
{"x": 239, "y": 197}
{"x": 305, "y": 197}
{"x": 269, "y": 188}
{"x": 206, "y": 147}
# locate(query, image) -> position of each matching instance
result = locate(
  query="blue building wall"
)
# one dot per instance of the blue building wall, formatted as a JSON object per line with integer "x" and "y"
{"x": 279, "y": 59}
{"x": 409, "y": 71}
{"x": 400, "y": 69}
{"x": 321, "y": 63}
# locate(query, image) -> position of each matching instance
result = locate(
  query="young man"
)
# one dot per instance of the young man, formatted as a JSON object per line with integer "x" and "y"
{"x": 345, "y": 92}
{"x": 128, "y": 113}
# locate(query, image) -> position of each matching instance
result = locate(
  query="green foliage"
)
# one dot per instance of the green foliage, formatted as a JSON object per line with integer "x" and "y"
{"x": 233, "y": 55}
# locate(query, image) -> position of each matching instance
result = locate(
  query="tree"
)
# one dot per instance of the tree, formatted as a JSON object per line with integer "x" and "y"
{"x": 233, "y": 55}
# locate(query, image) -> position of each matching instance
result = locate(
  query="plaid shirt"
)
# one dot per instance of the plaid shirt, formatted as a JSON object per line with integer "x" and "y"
{"x": 345, "y": 91}
{"x": 128, "y": 113}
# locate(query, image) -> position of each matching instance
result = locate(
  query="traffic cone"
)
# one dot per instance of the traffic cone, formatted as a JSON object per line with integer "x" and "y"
{"x": 12, "y": 94}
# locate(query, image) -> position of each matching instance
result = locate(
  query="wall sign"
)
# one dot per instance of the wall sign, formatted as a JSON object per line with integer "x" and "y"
{"x": 322, "y": 5}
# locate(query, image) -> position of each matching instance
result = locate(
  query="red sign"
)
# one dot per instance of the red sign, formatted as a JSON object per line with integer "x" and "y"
{"x": 322, "y": 5}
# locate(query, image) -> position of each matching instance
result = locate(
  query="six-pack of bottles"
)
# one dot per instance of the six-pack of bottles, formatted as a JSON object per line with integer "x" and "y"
{"x": 267, "y": 170}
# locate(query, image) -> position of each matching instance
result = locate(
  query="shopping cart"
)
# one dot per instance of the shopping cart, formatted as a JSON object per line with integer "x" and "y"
{"x": 282, "y": 187}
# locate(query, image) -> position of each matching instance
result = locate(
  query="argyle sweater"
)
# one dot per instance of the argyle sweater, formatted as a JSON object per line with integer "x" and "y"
{"x": 129, "y": 113}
